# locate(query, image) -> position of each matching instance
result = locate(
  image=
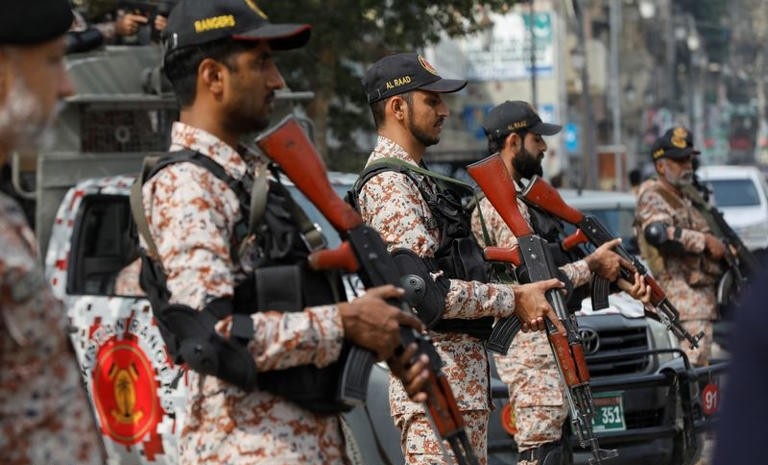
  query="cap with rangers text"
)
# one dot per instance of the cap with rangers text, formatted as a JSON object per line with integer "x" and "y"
{"x": 34, "y": 21}
{"x": 404, "y": 72}
{"x": 195, "y": 22}
{"x": 676, "y": 144}
{"x": 516, "y": 115}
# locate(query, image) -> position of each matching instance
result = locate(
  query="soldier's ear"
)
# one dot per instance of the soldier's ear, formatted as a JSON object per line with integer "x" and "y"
{"x": 397, "y": 106}
{"x": 514, "y": 141}
{"x": 210, "y": 75}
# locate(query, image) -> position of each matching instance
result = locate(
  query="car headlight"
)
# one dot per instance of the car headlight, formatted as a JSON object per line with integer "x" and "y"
{"x": 663, "y": 339}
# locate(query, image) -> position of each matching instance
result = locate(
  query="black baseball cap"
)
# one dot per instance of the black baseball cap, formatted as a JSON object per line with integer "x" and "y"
{"x": 676, "y": 143}
{"x": 516, "y": 115}
{"x": 404, "y": 72}
{"x": 30, "y": 22}
{"x": 194, "y": 22}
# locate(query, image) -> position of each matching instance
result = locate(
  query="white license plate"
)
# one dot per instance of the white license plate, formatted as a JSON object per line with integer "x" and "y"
{"x": 609, "y": 412}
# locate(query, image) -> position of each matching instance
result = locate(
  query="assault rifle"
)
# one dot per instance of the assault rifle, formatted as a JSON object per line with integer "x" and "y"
{"x": 493, "y": 178}
{"x": 363, "y": 251}
{"x": 589, "y": 229}
{"x": 741, "y": 265}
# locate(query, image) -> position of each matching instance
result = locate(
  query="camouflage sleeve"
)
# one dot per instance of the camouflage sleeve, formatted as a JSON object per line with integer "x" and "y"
{"x": 191, "y": 228}
{"x": 652, "y": 207}
{"x": 392, "y": 204}
{"x": 578, "y": 272}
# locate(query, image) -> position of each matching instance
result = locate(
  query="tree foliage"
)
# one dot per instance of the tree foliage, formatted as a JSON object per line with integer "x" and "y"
{"x": 349, "y": 35}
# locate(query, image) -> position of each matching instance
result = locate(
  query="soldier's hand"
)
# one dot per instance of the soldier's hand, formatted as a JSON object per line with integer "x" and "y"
{"x": 638, "y": 289}
{"x": 413, "y": 372}
{"x": 127, "y": 24}
{"x": 605, "y": 262}
{"x": 370, "y": 322}
{"x": 714, "y": 246}
{"x": 532, "y": 307}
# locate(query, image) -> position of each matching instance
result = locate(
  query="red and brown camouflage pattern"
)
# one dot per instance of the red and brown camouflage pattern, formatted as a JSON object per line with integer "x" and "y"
{"x": 536, "y": 392}
{"x": 191, "y": 216}
{"x": 44, "y": 413}
{"x": 392, "y": 204}
{"x": 689, "y": 279}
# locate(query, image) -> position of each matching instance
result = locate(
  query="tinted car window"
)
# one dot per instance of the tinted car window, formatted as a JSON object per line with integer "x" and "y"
{"x": 735, "y": 193}
{"x": 618, "y": 221}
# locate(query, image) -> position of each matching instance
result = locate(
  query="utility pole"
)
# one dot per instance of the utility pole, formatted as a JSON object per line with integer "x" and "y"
{"x": 532, "y": 36}
{"x": 615, "y": 81}
{"x": 589, "y": 155}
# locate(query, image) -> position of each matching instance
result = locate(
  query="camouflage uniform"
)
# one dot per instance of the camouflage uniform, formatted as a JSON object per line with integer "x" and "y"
{"x": 529, "y": 368}
{"x": 44, "y": 413}
{"x": 392, "y": 204}
{"x": 689, "y": 279}
{"x": 192, "y": 228}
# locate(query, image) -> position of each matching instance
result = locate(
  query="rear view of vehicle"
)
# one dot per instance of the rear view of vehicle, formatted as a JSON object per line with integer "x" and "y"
{"x": 741, "y": 193}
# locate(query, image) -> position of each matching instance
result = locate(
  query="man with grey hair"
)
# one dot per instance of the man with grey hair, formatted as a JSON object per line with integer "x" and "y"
{"x": 44, "y": 413}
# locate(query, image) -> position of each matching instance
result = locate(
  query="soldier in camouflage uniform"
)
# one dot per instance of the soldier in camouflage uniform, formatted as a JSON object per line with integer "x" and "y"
{"x": 514, "y": 131}
{"x": 44, "y": 412}
{"x": 220, "y": 61}
{"x": 676, "y": 241}
{"x": 404, "y": 92}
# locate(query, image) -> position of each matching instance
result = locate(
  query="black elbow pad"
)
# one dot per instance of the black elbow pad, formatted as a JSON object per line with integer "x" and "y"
{"x": 425, "y": 294}
{"x": 656, "y": 234}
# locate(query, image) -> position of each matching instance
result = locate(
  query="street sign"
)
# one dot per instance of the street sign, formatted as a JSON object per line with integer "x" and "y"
{"x": 571, "y": 137}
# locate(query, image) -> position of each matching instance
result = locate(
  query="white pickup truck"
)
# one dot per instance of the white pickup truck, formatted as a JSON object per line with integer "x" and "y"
{"x": 137, "y": 393}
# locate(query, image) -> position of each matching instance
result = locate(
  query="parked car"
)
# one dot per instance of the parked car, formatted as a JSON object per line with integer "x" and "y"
{"x": 741, "y": 193}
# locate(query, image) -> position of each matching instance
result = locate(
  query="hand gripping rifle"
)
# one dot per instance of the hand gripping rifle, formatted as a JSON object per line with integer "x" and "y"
{"x": 493, "y": 178}
{"x": 363, "y": 251}
{"x": 589, "y": 229}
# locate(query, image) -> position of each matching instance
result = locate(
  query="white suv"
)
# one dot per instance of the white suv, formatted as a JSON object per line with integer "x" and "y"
{"x": 741, "y": 193}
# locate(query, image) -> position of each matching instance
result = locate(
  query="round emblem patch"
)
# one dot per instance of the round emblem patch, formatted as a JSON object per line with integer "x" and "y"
{"x": 125, "y": 391}
{"x": 425, "y": 64}
{"x": 678, "y": 138}
{"x": 508, "y": 420}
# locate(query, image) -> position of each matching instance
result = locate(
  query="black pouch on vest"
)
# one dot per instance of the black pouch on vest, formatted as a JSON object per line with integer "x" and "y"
{"x": 290, "y": 288}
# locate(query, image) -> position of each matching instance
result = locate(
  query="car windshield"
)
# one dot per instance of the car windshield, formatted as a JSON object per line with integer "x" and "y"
{"x": 735, "y": 193}
{"x": 618, "y": 220}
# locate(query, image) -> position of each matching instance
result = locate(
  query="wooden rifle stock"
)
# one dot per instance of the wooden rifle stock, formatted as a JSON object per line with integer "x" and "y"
{"x": 363, "y": 251}
{"x": 495, "y": 181}
{"x": 589, "y": 229}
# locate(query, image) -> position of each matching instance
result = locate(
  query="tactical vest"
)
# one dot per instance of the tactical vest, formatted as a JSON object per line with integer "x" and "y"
{"x": 281, "y": 282}
{"x": 699, "y": 270}
{"x": 458, "y": 255}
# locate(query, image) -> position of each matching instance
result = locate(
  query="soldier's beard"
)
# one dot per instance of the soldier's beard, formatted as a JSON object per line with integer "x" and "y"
{"x": 22, "y": 120}
{"x": 526, "y": 164}
{"x": 684, "y": 179}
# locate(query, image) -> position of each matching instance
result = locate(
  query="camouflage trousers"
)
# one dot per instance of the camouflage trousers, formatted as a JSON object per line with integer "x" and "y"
{"x": 535, "y": 390}
{"x": 421, "y": 446}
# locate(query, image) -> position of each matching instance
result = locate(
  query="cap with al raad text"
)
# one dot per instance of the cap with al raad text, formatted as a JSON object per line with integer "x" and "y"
{"x": 516, "y": 115}
{"x": 404, "y": 72}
